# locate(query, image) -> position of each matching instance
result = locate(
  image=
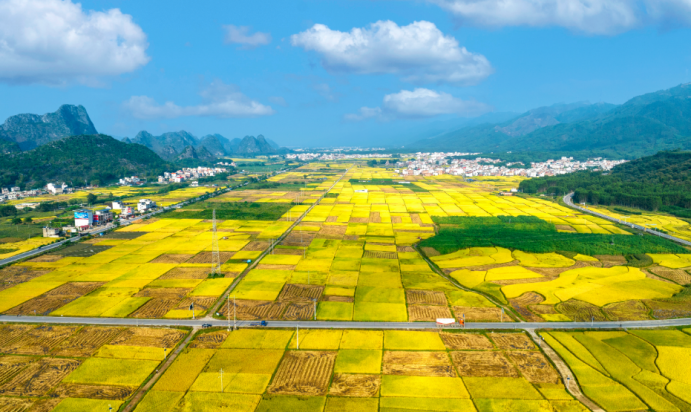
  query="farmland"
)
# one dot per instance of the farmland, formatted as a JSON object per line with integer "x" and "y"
{"x": 359, "y": 370}
{"x": 629, "y": 370}
{"x": 72, "y": 368}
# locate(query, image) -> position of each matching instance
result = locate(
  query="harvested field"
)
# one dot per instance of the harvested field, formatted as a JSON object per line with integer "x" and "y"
{"x": 299, "y": 311}
{"x": 380, "y": 254}
{"x": 83, "y": 250}
{"x": 375, "y": 217}
{"x": 417, "y": 363}
{"x": 171, "y": 258}
{"x": 580, "y": 310}
{"x": 43, "y": 405}
{"x": 149, "y": 337}
{"x": 42, "y": 305}
{"x": 534, "y": 366}
{"x": 39, "y": 377}
{"x": 155, "y": 308}
{"x": 427, "y": 312}
{"x": 512, "y": 341}
{"x": 404, "y": 249}
{"x": 8, "y": 333}
{"x": 86, "y": 341}
{"x": 480, "y": 314}
{"x": 259, "y": 310}
{"x": 40, "y": 340}
{"x": 483, "y": 364}
{"x": 288, "y": 251}
{"x": 565, "y": 228}
{"x": 679, "y": 276}
{"x": 466, "y": 341}
{"x": 169, "y": 293}
{"x": 611, "y": 260}
{"x": 46, "y": 258}
{"x": 295, "y": 239}
{"x": 669, "y": 308}
{"x": 11, "y": 365}
{"x": 211, "y": 340}
{"x": 426, "y": 297}
{"x": 205, "y": 257}
{"x": 521, "y": 305}
{"x": 91, "y": 391}
{"x": 337, "y": 298}
{"x": 201, "y": 303}
{"x": 257, "y": 245}
{"x": 355, "y": 385}
{"x": 13, "y": 404}
{"x": 300, "y": 292}
{"x": 303, "y": 373}
{"x": 187, "y": 273}
{"x": 543, "y": 309}
{"x": 13, "y": 275}
{"x": 627, "y": 310}
{"x": 332, "y": 231}
{"x": 358, "y": 220}
{"x": 126, "y": 234}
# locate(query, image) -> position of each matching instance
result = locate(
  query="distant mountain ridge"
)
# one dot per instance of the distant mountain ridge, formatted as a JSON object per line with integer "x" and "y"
{"x": 641, "y": 126}
{"x": 172, "y": 145}
{"x": 28, "y": 131}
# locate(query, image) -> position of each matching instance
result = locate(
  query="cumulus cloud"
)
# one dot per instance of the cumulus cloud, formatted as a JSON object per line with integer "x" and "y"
{"x": 419, "y": 52}
{"x": 241, "y": 35}
{"x": 420, "y": 103}
{"x": 219, "y": 101}
{"x": 598, "y": 17}
{"x": 56, "y": 42}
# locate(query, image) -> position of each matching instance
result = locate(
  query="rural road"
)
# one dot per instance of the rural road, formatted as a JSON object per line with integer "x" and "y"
{"x": 348, "y": 324}
{"x": 568, "y": 200}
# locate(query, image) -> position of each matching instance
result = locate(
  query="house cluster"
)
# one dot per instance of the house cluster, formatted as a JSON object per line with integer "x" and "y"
{"x": 334, "y": 156}
{"x": 231, "y": 164}
{"x": 433, "y": 164}
{"x": 130, "y": 181}
{"x": 185, "y": 174}
{"x": 15, "y": 192}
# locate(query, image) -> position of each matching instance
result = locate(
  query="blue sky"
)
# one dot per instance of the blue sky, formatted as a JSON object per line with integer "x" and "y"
{"x": 248, "y": 68}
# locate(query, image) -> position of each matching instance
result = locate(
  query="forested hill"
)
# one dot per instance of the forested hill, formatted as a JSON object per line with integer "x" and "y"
{"x": 79, "y": 159}
{"x": 661, "y": 181}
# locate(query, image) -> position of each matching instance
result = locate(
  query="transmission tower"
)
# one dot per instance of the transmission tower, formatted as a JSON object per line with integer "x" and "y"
{"x": 215, "y": 260}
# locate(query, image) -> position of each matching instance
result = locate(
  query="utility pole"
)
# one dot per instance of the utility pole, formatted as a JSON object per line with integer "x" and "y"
{"x": 314, "y": 302}
{"x": 228, "y": 311}
{"x": 221, "y": 377}
{"x": 297, "y": 338}
{"x": 215, "y": 260}
{"x": 234, "y": 325}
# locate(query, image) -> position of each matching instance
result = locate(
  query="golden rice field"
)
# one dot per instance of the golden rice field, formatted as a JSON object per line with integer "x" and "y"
{"x": 635, "y": 370}
{"x": 351, "y": 258}
{"x": 73, "y": 368}
{"x": 670, "y": 224}
{"x": 359, "y": 370}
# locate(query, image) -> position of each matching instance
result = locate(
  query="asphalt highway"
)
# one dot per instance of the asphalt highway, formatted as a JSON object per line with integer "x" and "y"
{"x": 568, "y": 200}
{"x": 347, "y": 324}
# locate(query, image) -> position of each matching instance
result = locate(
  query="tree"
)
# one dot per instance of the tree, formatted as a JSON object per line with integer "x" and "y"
{"x": 91, "y": 198}
{"x": 16, "y": 220}
{"x": 28, "y": 220}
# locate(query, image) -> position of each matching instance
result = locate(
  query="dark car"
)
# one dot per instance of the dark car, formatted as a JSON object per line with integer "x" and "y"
{"x": 206, "y": 325}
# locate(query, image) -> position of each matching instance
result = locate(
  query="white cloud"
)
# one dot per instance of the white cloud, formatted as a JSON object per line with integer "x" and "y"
{"x": 56, "y": 42}
{"x": 219, "y": 100}
{"x": 241, "y": 35}
{"x": 419, "y": 52}
{"x": 599, "y": 17}
{"x": 420, "y": 103}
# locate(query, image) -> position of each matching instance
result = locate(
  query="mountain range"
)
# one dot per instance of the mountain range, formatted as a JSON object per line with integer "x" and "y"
{"x": 27, "y": 131}
{"x": 641, "y": 126}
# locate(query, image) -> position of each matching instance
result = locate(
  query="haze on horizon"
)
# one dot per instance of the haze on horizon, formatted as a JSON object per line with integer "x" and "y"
{"x": 332, "y": 73}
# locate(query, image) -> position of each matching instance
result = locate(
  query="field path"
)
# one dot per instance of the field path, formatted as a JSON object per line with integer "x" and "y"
{"x": 507, "y": 308}
{"x": 171, "y": 358}
{"x": 224, "y": 296}
{"x": 567, "y": 377}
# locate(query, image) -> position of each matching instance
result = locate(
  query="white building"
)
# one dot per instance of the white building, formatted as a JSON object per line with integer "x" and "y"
{"x": 145, "y": 204}
{"x": 83, "y": 218}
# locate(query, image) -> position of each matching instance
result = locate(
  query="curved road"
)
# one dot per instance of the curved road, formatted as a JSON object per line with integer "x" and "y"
{"x": 568, "y": 200}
